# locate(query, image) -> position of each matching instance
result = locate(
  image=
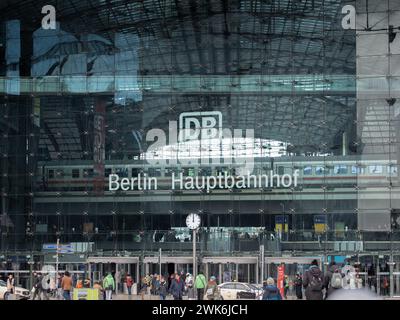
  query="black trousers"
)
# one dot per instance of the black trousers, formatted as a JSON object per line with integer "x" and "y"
{"x": 200, "y": 294}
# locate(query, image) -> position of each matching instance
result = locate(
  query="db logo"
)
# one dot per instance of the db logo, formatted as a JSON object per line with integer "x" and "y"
{"x": 200, "y": 125}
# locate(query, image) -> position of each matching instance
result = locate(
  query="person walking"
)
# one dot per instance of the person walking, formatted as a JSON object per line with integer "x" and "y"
{"x": 79, "y": 284}
{"x": 10, "y": 284}
{"x": 212, "y": 289}
{"x": 189, "y": 283}
{"x": 298, "y": 286}
{"x": 271, "y": 291}
{"x": 313, "y": 282}
{"x": 200, "y": 284}
{"x": 129, "y": 284}
{"x": 285, "y": 286}
{"x": 109, "y": 285}
{"x": 154, "y": 284}
{"x": 177, "y": 287}
{"x": 144, "y": 286}
{"x": 37, "y": 286}
{"x": 66, "y": 286}
{"x": 87, "y": 283}
{"x": 333, "y": 279}
{"x": 163, "y": 288}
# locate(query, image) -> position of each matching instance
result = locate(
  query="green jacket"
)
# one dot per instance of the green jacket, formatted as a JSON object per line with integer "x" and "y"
{"x": 200, "y": 282}
{"x": 108, "y": 281}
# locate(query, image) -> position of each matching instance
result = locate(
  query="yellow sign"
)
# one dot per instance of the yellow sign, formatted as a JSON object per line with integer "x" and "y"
{"x": 86, "y": 294}
{"x": 279, "y": 227}
{"x": 320, "y": 227}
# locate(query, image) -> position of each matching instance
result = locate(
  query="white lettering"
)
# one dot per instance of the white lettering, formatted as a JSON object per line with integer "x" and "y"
{"x": 49, "y": 21}
{"x": 349, "y": 20}
{"x": 113, "y": 181}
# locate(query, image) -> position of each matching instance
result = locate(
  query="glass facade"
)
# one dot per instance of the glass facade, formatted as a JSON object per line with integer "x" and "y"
{"x": 154, "y": 91}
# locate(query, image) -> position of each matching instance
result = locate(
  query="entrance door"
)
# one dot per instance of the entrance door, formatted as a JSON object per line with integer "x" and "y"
{"x": 239, "y": 269}
{"x": 99, "y": 267}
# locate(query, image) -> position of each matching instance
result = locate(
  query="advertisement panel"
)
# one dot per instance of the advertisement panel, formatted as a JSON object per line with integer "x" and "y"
{"x": 280, "y": 280}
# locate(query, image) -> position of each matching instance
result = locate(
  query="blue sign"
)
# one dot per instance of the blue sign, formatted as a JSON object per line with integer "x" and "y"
{"x": 337, "y": 259}
{"x": 62, "y": 248}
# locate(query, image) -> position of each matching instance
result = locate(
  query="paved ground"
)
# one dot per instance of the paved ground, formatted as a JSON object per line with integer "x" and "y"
{"x": 345, "y": 295}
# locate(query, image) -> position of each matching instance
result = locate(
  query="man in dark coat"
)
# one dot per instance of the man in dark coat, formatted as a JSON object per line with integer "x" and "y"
{"x": 37, "y": 285}
{"x": 298, "y": 285}
{"x": 177, "y": 288}
{"x": 313, "y": 282}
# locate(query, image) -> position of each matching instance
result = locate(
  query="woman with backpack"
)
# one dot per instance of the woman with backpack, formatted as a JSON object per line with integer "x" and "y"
{"x": 313, "y": 282}
{"x": 271, "y": 291}
{"x": 333, "y": 279}
{"x": 212, "y": 289}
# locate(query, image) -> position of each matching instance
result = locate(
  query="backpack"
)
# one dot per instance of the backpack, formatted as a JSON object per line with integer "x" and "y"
{"x": 316, "y": 283}
{"x": 336, "y": 281}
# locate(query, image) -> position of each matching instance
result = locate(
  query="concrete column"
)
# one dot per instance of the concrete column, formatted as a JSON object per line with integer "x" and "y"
{"x": 237, "y": 271}
{"x": 344, "y": 144}
{"x": 117, "y": 278}
{"x": 220, "y": 273}
{"x": 378, "y": 280}
{"x": 397, "y": 280}
{"x": 257, "y": 274}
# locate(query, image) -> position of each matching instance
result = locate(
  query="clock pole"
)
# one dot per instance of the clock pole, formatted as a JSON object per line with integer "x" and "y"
{"x": 194, "y": 255}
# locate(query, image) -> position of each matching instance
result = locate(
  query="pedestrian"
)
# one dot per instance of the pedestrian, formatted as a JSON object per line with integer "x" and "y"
{"x": 10, "y": 284}
{"x": 212, "y": 289}
{"x": 271, "y": 291}
{"x": 333, "y": 279}
{"x": 79, "y": 284}
{"x": 143, "y": 288}
{"x": 37, "y": 286}
{"x": 163, "y": 288}
{"x": 59, "y": 287}
{"x": 153, "y": 284}
{"x": 156, "y": 284}
{"x": 359, "y": 281}
{"x": 298, "y": 286}
{"x": 200, "y": 284}
{"x": 189, "y": 283}
{"x": 87, "y": 283}
{"x": 46, "y": 285}
{"x": 109, "y": 286}
{"x": 285, "y": 286}
{"x": 129, "y": 284}
{"x": 148, "y": 280}
{"x": 313, "y": 282}
{"x": 177, "y": 287}
{"x": 66, "y": 286}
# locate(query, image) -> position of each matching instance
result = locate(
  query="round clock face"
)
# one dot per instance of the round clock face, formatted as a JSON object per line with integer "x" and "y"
{"x": 193, "y": 221}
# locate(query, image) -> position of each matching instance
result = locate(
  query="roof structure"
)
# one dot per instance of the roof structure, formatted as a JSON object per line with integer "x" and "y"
{"x": 285, "y": 68}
